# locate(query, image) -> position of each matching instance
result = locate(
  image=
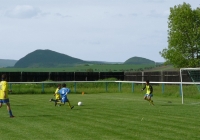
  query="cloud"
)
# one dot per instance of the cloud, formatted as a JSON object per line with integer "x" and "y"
{"x": 23, "y": 11}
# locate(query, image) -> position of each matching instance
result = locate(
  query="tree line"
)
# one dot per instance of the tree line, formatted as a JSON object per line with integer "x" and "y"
{"x": 183, "y": 37}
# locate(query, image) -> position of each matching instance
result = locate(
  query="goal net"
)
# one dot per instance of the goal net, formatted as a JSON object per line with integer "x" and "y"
{"x": 190, "y": 85}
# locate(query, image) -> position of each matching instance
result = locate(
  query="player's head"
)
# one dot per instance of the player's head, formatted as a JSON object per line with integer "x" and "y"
{"x": 3, "y": 77}
{"x": 63, "y": 85}
{"x": 147, "y": 82}
{"x": 59, "y": 86}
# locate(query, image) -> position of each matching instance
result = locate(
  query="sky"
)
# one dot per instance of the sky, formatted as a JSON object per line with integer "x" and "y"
{"x": 92, "y": 30}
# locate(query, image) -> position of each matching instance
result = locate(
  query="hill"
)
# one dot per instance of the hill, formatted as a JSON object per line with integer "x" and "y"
{"x": 52, "y": 59}
{"x": 7, "y": 63}
{"x": 47, "y": 58}
{"x": 138, "y": 60}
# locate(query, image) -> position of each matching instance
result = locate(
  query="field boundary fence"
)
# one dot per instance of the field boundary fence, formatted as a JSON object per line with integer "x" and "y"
{"x": 119, "y": 84}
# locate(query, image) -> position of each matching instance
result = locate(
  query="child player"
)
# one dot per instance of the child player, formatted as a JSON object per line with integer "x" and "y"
{"x": 57, "y": 95}
{"x": 149, "y": 92}
{"x": 63, "y": 93}
{"x": 4, "y": 94}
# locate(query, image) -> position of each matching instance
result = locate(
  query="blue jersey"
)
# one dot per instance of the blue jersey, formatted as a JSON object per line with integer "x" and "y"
{"x": 63, "y": 93}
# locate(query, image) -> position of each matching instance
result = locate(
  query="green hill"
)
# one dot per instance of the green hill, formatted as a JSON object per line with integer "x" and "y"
{"x": 7, "y": 63}
{"x": 52, "y": 59}
{"x": 47, "y": 58}
{"x": 138, "y": 60}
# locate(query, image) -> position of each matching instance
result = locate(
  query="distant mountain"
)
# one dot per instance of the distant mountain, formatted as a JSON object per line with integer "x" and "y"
{"x": 138, "y": 60}
{"x": 7, "y": 63}
{"x": 47, "y": 58}
{"x": 52, "y": 59}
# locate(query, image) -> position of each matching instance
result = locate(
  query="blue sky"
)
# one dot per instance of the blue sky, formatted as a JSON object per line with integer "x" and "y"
{"x": 99, "y": 30}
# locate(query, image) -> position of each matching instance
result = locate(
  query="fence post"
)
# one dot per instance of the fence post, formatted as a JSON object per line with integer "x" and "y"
{"x": 120, "y": 87}
{"x": 42, "y": 87}
{"x": 163, "y": 87}
{"x": 106, "y": 86}
{"x": 75, "y": 87}
{"x": 132, "y": 87}
{"x": 10, "y": 86}
{"x": 180, "y": 90}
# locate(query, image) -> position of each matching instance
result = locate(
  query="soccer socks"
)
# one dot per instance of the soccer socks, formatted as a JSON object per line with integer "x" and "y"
{"x": 151, "y": 101}
{"x": 71, "y": 107}
{"x": 148, "y": 100}
{"x": 69, "y": 104}
{"x": 10, "y": 113}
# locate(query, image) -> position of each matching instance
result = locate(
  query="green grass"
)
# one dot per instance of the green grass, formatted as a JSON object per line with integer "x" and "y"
{"x": 101, "y": 87}
{"x": 104, "y": 116}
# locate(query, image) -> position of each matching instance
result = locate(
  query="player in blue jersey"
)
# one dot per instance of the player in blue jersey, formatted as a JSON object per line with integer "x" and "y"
{"x": 63, "y": 93}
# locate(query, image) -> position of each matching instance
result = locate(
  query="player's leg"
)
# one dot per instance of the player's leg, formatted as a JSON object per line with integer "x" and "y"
{"x": 1, "y": 103}
{"x": 58, "y": 101}
{"x": 52, "y": 100}
{"x": 150, "y": 100}
{"x": 8, "y": 107}
{"x": 146, "y": 97}
{"x": 61, "y": 101}
{"x": 71, "y": 107}
{"x": 69, "y": 103}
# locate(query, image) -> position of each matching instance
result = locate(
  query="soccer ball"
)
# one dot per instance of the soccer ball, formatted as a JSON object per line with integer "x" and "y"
{"x": 79, "y": 103}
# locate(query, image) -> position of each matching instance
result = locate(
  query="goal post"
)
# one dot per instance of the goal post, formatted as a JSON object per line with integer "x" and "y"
{"x": 192, "y": 76}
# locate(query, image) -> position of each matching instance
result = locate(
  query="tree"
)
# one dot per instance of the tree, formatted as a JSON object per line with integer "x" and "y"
{"x": 183, "y": 37}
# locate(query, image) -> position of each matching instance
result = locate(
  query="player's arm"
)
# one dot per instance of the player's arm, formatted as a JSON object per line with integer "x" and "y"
{"x": 56, "y": 92}
{"x": 143, "y": 88}
{"x": 151, "y": 89}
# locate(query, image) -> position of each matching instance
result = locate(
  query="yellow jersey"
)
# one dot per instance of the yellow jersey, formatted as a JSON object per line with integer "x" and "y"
{"x": 57, "y": 95}
{"x": 3, "y": 89}
{"x": 149, "y": 89}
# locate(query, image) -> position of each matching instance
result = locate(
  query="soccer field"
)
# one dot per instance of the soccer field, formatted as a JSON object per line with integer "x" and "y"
{"x": 104, "y": 116}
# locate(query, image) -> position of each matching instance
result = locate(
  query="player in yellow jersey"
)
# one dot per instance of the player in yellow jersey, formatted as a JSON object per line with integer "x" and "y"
{"x": 4, "y": 94}
{"x": 149, "y": 92}
{"x": 57, "y": 95}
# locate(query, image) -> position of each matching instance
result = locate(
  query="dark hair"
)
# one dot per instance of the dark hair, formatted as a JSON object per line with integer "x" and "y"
{"x": 59, "y": 85}
{"x": 3, "y": 76}
{"x": 147, "y": 81}
{"x": 63, "y": 85}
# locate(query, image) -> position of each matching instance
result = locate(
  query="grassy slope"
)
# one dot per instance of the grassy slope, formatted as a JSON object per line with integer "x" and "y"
{"x": 104, "y": 116}
{"x": 80, "y": 68}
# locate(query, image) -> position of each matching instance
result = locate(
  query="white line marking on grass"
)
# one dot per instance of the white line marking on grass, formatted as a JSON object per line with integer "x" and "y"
{"x": 195, "y": 103}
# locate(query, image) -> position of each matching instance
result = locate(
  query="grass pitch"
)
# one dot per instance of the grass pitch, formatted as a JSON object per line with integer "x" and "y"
{"x": 104, "y": 116}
